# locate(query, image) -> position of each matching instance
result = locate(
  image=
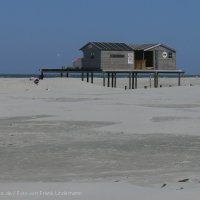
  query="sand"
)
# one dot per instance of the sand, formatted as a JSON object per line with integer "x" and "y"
{"x": 68, "y": 139}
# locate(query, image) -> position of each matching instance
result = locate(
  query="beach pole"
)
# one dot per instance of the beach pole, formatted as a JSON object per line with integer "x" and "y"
{"x": 155, "y": 80}
{"x": 150, "y": 80}
{"x": 115, "y": 80}
{"x": 104, "y": 79}
{"x": 82, "y": 76}
{"x": 42, "y": 75}
{"x": 135, "y": 80}
{"x": 108, "y": 79}
{"x": 92, "y": 76}
{"x": 129, "y": 80}
{"x": 87, "y": 77}
{"x": 112, "y": 79}
{"x": 179, "y": 79}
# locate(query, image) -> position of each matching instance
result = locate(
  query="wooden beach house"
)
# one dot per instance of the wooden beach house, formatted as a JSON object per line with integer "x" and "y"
{"x": 121, "y": 56}
{"x": 110, "y": 59}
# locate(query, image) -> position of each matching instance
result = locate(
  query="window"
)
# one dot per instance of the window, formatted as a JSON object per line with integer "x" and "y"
{"x": 92, "y": 55}
{"x": 116, "y": 56}
{"x": 170, "y": 55}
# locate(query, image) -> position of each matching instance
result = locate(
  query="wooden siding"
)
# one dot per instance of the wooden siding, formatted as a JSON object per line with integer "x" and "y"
{"x": 89, "y": 62}
{"x": 162, "y": 63}
{"x": 118, "y": 63}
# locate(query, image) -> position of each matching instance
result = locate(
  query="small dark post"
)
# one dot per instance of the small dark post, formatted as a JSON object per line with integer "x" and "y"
{"x": 87, "y": 77}
{"x": 42, "y": 75}
{"x": 179, "y": 79}
{"x": 67, "y": 74}
{"x": 82, "y": 76}
{"x": 92, "y": 76}
{"x": 115, "y": 78}
{"x": 104, "y": 79}
{"x": 155, "y": 79}
{"x": 108, "y": 79}
{"x": 129, "y": 80}
{"x": 133, "y": 80}
{"x": 150, "y": 80}
{"x": 112, "y": 79}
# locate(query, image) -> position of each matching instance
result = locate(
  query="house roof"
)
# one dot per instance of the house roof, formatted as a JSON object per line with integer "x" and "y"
{"x": 142, "y": 46}
{"x": 146, "y": 47}
{"x": 108, "y": 46}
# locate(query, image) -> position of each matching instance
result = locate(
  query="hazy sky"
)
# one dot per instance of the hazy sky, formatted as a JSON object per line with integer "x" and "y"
{"x": 49, "y": 33}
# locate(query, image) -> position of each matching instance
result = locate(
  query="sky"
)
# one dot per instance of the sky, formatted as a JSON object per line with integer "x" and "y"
{"x": 49, "y": 33}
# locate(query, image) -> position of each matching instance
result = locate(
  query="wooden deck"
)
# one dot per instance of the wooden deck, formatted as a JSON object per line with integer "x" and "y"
{"x": 112, "y": 75}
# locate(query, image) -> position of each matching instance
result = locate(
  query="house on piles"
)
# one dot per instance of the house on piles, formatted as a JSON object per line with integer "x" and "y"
{"x": 101, "y": 56}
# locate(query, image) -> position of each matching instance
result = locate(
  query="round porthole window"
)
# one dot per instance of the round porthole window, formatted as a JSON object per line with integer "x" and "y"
{"x": 164, "y": 54}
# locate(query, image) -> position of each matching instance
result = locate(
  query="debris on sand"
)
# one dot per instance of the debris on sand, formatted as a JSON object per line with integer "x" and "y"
{"x": 181, "y": 188}
{"x": 184, "y": 180}
{"x": 163, "y": 185}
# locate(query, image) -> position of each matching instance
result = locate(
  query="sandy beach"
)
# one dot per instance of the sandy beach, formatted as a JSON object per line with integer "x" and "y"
{"x": 68, "y": 139}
